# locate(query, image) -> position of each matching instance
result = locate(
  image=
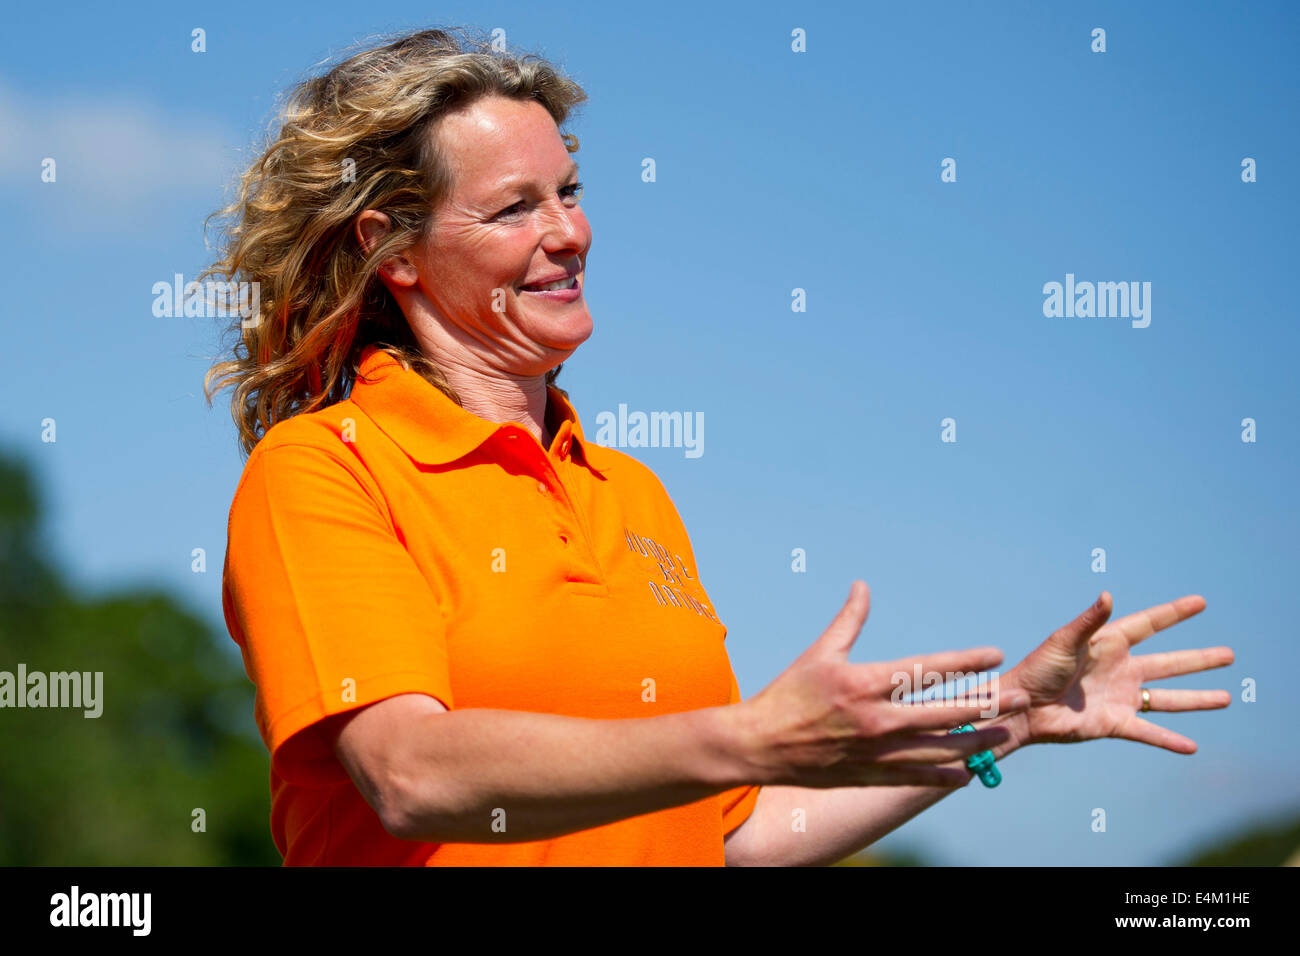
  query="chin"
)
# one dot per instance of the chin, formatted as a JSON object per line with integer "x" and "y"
{"x": 564, "y": 334}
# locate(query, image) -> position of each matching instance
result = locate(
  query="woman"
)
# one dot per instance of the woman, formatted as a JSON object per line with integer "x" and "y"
{"x": 478, "y": 638}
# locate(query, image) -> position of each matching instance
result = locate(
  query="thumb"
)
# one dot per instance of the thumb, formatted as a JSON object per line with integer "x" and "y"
{"x": 1077, "y": 633}
{"x": 844, "y": 630}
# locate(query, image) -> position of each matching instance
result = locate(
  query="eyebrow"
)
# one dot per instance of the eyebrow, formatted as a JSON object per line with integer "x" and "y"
{"x": 511, "y": 185}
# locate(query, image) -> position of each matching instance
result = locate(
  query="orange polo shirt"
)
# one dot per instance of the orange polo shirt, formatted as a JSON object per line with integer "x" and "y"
{"x": 396, "y": 543}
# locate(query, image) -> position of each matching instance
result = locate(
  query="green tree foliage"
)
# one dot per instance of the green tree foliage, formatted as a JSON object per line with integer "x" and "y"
{"x": 877, "y": 857}
{"x": 174, "y": 734}
{"x": 1267, "y": 843}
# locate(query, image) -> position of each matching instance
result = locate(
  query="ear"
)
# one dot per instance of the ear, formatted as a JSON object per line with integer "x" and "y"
{"x": 371, "y": 227}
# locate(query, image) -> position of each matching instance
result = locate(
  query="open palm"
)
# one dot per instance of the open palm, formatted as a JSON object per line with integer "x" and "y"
{"x": 1084, "y": 683}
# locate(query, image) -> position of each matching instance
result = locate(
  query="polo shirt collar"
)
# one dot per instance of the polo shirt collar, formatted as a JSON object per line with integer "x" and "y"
{"x": 434, "y": 430}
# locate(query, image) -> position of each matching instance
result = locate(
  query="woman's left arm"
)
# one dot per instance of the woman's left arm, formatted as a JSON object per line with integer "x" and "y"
{"x": 1083, "y": 683}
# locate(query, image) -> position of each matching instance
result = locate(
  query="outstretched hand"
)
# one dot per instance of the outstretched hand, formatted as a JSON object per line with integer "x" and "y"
{"x": 1084, "y": 683}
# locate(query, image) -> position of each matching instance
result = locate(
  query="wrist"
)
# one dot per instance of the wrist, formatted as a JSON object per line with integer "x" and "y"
{"x": 1016, "y": 723}
{"x": 1015, "y": 726}
{"x": 739, "y": 743}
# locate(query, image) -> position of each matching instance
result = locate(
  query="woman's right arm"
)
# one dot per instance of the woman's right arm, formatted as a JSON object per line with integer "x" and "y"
{"x": 442, "y": 776}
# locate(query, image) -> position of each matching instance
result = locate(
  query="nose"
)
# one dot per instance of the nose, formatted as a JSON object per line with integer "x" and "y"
{"x": 566, "y": 229}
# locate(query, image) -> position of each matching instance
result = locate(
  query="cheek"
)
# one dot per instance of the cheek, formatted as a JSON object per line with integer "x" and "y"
{"x": 470, "y": 263}
{"x": 503, "y": 260}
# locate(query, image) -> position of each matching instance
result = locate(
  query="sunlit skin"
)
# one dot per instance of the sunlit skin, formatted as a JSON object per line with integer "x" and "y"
{"x": 512, "y": 217}
{"x": 1084, "y": 682}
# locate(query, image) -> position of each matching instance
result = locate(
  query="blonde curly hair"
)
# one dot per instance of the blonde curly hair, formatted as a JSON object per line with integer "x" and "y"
{"x": 354, "y": 138}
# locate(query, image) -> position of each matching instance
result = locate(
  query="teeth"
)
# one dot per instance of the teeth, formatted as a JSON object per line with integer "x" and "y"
{"x": 568, "y": 283}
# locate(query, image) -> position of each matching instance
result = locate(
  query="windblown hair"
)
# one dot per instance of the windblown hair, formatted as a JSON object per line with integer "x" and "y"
{"x": 358, "y": 137}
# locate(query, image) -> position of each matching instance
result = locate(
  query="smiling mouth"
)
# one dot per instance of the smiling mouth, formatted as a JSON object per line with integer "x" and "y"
{"x": 570, "y": 283}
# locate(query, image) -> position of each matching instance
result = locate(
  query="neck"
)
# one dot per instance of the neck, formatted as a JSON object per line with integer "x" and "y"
{"x": 496, "y": 397}
{"x": 485, "y": 390}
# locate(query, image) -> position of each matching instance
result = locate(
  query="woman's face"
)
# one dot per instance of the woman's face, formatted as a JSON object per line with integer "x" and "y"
{"x": 511, "y": 220}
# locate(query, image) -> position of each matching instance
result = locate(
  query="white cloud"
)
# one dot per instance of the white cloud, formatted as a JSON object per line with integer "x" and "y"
{"x": 112, "y": 152}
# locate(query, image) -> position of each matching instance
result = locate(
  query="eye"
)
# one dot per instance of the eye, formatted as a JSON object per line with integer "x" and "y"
{"x": 509, "y": 210}
{"x": 571, "y": 191}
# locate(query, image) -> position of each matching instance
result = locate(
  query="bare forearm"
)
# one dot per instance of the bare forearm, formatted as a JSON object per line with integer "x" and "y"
{"x": 802, "y": 826}
{"x": 503, "y": 776}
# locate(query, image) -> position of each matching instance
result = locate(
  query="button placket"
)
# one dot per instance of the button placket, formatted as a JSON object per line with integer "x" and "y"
{"x": 570, "y": 530}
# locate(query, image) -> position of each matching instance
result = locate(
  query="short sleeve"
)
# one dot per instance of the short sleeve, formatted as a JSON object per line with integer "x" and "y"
{"x": 737, "y": 804}
{"x": 328, "y": 607}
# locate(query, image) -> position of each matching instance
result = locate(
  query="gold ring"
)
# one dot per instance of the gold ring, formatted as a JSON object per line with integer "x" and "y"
{"x": 1146, "y": 699}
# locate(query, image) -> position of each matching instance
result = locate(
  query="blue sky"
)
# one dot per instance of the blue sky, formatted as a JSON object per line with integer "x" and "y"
{"x": 779, "y": 170}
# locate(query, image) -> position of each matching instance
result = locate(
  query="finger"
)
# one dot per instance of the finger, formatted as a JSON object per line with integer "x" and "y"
{"x": 937, "y": 748}
{"x": 1145, "y": 732}
{"x": 946, "y": 714}
{"x": 844, "y": 630}
{"x": 1176, "y": 700}
{"x": 925, "y": 671}
{"x": 875, "y": 775}
{"x": 1178, "y": 663}
{"x": 1141, "y": 625}
{"x": 1078, "y": 631}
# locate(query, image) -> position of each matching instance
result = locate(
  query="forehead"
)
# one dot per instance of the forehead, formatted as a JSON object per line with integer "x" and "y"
{"x": 497, "y": 140}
